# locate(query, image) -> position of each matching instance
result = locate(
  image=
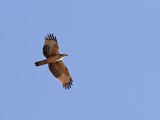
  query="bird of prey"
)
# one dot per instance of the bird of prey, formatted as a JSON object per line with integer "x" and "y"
{"x": 54, "y": 61}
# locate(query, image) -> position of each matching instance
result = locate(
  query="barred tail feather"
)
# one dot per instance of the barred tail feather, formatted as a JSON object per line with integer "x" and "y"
{"x": 40, "y": 62}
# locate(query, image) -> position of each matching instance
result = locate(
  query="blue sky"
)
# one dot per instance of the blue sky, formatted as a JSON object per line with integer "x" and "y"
{"x": 114, "y": 61}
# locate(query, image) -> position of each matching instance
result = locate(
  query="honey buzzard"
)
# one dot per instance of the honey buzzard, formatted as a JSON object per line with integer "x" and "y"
{"x": 54, "y": 61}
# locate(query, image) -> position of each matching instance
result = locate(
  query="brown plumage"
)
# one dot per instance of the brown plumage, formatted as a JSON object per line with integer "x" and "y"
{"x": 54, "y": 61}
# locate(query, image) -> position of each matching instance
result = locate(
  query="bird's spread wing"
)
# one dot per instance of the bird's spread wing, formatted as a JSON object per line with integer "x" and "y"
{"x": 50, "y": 47}
{"x": 60, "y": 71}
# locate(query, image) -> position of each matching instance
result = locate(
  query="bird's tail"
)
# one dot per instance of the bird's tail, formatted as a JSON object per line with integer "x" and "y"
{"x": 41, "y": 62}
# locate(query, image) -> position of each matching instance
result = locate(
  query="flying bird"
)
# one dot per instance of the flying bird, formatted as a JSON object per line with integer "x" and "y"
{"x": 54, "y": 61}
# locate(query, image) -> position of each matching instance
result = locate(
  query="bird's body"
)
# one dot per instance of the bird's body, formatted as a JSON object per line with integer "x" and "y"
{"x": 54, "y": 61}
{"x": 51, "y": 59}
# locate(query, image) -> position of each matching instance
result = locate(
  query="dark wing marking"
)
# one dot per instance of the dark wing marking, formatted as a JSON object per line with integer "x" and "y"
{"x": 59, "y": 70}
{"x": 50, "y": 47}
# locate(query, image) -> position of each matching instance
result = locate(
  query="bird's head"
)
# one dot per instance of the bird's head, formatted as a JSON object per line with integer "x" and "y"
{"x": 63, "y": 55}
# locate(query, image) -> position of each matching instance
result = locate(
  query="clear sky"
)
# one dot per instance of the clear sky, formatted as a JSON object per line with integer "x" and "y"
{"x": 114, "y": 59}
